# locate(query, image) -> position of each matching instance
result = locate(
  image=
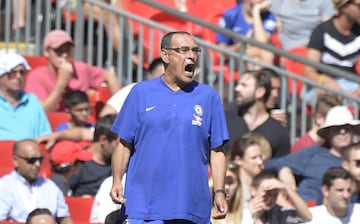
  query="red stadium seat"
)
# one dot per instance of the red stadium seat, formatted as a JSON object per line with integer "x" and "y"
{"x": 295, "y": 67}
{"x": 6, "y": 158}
{"x": 80, "y": 208}
{"x": 36, "y": 61}
{"x": 56, "y": 118}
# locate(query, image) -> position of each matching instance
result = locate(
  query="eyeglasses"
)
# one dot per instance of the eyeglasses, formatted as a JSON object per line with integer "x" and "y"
{"x": 341, "y": 130}
{"x": 12, "y": 74}
{"x": 185, "y": 50}
{"x": 31, "y": 160}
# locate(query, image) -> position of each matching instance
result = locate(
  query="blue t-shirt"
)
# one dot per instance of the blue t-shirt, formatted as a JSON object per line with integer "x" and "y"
{"x": 172, "y": 134}
{"x": 309, "y": 165}
{"x": 234, "y": 20}
{"x": 65, "y": 125}
{"x": 27, "y": 120}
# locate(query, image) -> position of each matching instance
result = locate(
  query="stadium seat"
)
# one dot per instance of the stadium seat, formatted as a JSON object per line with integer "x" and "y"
{"x": 46, "y": 170}
{"x": 80, "y": 208}
{"x": 6, "y": 158}
{"x": 98, "y": 99}
{"x": 35, "y": 61}
{"x": 57, "y": 117}
{"x": 295, "y": 67}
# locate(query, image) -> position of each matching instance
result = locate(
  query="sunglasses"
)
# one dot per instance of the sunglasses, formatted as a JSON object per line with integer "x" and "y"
{"x": 31, "y": 160}
{"x": 12, "y": 74}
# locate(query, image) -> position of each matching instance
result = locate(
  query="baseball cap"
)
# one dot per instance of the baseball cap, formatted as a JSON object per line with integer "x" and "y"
{"x": 55, "y": 38}
{"x": 9, "y": 60}
{"x": 65, "y": 152}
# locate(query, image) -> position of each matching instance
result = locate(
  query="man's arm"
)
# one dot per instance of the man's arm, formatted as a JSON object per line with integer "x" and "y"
{"x": 218, "y": 171}
{"x": 119, "y": 162}
{"x": 74, "y": 134}
{"x": 64, "y": 75}
{"x": 111, "y": 81}
{"x": 311, "y": 73}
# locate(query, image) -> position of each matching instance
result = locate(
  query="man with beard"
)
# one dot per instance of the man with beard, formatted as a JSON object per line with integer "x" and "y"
{"x": 336, "y": 188}
{"x": 249, "y": 113}
{"x": 310, "y": 164}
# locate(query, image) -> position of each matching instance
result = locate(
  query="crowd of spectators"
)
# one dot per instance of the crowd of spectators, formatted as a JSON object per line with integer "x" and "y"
{"x": 268, "y": 178}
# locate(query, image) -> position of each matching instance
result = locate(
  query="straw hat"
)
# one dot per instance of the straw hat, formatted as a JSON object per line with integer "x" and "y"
{"x": 337, "y": 116}
{"x": 339, "y": 3}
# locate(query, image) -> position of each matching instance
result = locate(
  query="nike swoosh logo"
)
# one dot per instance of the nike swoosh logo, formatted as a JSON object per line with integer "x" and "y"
{"x": 149, "y": 108}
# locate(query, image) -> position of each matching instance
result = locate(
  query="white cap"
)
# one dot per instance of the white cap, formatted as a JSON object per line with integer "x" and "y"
{"x": 9, "y": 60}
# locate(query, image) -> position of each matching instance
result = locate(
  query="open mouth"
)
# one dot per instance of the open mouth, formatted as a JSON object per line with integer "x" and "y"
{"x": 190, "y": 68}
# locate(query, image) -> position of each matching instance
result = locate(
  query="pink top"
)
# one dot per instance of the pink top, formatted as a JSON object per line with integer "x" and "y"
{"x": 41, "y": 82}
{"x": 303, "y": 142}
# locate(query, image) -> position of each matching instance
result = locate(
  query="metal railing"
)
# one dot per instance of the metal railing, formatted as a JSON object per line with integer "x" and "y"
{"x": 126, "y": 43}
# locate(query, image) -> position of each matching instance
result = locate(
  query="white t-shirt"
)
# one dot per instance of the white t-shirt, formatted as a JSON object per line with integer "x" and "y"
{"x": 118, "y": 99}
{"x": 103, "y": 205}
{"x": 320, "y": 215}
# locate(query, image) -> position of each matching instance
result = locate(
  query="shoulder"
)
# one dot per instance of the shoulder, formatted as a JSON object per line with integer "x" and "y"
{"x": 38, "y": 71}
{"x": 80, "y": 65}
{"x": 233, "y": 10}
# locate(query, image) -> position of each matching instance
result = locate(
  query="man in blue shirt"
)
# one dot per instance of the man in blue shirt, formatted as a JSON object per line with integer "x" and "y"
{"x": 170, "y": 129}
{"x": 249, "y": 18}
{"x": 22, "y": 115}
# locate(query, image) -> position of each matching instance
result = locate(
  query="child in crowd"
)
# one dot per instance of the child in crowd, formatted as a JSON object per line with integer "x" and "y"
{"x": 78, "y": 107}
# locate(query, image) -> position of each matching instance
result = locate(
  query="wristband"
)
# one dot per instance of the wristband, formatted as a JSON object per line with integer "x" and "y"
{"x": 222, "y": 191}
{"x": 320, "y": 79}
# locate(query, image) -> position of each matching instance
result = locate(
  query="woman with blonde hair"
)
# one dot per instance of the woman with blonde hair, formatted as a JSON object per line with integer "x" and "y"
{"x": 233, "y": 190}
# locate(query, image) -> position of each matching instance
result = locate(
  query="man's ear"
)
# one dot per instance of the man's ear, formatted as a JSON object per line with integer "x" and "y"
{"x": 345, "y": 164}
{"x": 260, "y": 93}
{"x": 15, "y": 161}
{"x": 164, "y": 56}
{"x": 325, "y": 191}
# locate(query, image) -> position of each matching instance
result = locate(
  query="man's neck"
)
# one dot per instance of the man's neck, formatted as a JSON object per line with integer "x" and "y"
{"x": 343, "y": 24}
{"x": 335, "y": 152}
{"x": 256, "y": 115}
{"x": 12, "y": 97}
{"x": 339, "y": 213}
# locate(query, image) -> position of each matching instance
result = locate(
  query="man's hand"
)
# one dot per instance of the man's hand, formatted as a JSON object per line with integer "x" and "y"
{"x": 220, "y": 206}
{"x": 50, "y": 140}
{"x": 65, "y": 73}
{"x": 117, "y": 194}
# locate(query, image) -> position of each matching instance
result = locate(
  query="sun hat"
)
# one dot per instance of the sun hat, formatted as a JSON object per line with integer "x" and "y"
{"x": 9, "y": 60}
{"x": 55, "y": 38}
{"x": 66, "y": 152}
{"x": 337, "y": 116}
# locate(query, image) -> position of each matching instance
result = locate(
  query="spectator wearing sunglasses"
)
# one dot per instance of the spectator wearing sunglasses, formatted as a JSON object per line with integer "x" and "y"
{"x": 22, "y": 115}
{"x": 23, "y": 190}
{"x": 310, "y": 164}
{"x": 351, "y": 163}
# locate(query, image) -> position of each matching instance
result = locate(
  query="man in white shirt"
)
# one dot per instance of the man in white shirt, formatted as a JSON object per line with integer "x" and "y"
{"x": 336, "y": 188}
